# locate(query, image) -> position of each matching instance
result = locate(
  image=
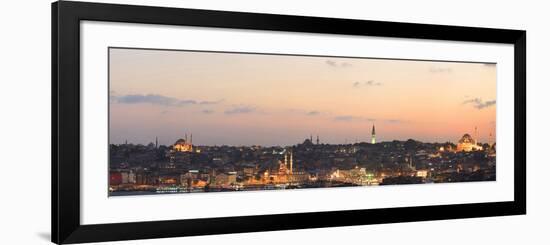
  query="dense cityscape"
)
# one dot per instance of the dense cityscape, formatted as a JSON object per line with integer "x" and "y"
{"x": 184, "y": 167}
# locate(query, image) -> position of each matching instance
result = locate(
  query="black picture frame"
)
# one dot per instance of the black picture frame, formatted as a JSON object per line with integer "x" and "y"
{"x": 66, "y": 17}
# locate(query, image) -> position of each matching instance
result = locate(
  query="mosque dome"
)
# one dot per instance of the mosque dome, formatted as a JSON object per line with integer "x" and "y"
{"x": 466, "y": 139}
{"x": 184, "y": 145}
{"x": 468, "y": 143}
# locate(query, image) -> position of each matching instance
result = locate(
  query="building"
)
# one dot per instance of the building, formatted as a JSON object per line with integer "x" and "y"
{"x": 182, "y": 145}
{"x": 468, "y": 143}
{"x": 225, "y": 180}
{"x": 144, "y": 178}
{"x": 285, "y": 168}
{"x": 249, "y": 171}
{"x": 298, "y": 177}
{"x": 115, "y": 178}
{"x": 187, "y": 179}
{"x": 180, "y": 154}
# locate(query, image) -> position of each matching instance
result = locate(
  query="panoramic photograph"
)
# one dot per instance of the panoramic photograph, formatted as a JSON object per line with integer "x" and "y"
{"x": 194, "y": 121}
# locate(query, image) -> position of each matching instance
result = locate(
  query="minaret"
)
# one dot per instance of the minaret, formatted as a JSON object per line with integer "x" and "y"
{"x": 286, "y": 160}
{"x": 156, "y": 142}
{"x": 373, "y": 136}
{"x": 317, "y": 139}
{"x": 311, "y": 138}
{"x": 185, "y": 138}
{"x": 290, "y": 163}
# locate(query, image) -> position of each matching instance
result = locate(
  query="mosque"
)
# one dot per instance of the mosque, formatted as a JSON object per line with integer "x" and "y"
{"x": 182, "y": 145}
{"x": 468, "y": 143}
{"x": 285, "y": 168}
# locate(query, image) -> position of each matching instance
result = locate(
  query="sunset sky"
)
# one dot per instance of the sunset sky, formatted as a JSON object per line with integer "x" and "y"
{"x": 254, "y": 99}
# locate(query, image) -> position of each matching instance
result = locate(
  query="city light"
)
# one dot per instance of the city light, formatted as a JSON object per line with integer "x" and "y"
{"x": 184, "y": 167}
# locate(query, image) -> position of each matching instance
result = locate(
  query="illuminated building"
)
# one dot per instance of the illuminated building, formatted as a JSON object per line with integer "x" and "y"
{"x": 285, "y": 168}
{"x": 183, "y": 167}
{"x": 358, "y": 176}
{"x": 290, "y": 170}
{"x": 410, "y": 164}
{"x": 422, "y": 173}
{"x": 248, "y": 171}
{"x": 373, "y": 136}
{"x": 299, "y": 177}
{"x": 124, "y": 176}
{"x": 131, "y": 177}
{"x": 468, "y": 143}
{"x": 282, "y": 166}
{"x": 180, "y": 153}
{"x": 226, "y": 179}
{"x": 182, "y": 145}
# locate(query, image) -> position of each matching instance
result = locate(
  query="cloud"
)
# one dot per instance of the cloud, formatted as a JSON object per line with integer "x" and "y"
{"x": 348, "y": 118}
{"x": 214, "y": 102}
{"x": 394, "y": 121}
{"x": 338, "y": 64}
{"x": 368, "y": 83}
{"x": 479, "y": 104}
{"x": 156, "y": 99}
{"x": 240, "y": 110}
{"x": 207, "y": 111}
{"x": 487, "y": 104}
{"x": 313, "y": 113}
{"x": 345, "y": 118}
{"x": 441, "y": 70}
